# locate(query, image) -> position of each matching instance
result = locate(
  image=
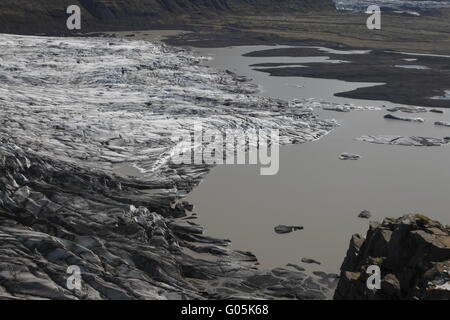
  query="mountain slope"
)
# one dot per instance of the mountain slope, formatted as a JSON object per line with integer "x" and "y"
{"x": 49, "y": 16}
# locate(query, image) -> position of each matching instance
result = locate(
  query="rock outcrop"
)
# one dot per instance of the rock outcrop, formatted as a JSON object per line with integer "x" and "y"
{"x": 413, "y": 254}
{"x": 49, "y": 16}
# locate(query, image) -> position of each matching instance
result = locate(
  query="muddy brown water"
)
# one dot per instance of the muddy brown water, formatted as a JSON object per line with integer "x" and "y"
{"x": 313, "y": 187}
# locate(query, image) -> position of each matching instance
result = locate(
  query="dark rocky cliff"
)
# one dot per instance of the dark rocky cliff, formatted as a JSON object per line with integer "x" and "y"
{"x": 413, "y": 253}
{"x": 49, "y": 16}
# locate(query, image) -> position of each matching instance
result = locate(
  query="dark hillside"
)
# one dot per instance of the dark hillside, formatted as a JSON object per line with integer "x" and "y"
{"x": 49, "y": 16}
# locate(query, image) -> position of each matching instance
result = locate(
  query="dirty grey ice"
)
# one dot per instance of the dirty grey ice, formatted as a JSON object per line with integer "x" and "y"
{"x": 86, "y": 177}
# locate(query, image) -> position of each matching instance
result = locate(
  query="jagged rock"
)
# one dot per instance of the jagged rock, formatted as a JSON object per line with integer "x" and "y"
{"x": 353, "y": 250}
{"x": 391, "y": 285}
{"x": 413, "y": 253}
{"x": 281, "y": 229}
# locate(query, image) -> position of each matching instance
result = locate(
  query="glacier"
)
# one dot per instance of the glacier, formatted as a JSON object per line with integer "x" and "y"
{"x": 73, "y": 113}
{"x": 99, "y": 102}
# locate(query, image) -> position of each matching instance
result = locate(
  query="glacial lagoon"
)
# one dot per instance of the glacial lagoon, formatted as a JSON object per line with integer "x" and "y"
{"x": 314, "y": 188}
